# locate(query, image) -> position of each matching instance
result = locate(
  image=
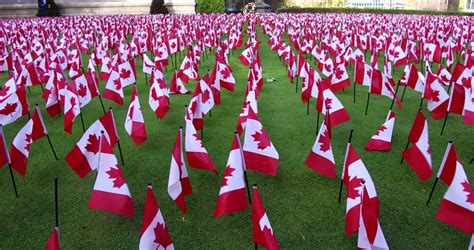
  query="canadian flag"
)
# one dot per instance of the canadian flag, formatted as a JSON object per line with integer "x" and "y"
{"x": 51, "y": 92}
{"x": 262, "y": 230}
{"x": 71, "y": 107}
{"x": 134, "y": 123}
{"x": 148, "y": 65}
{"x": 399, "y": 57}
{"x": 53, "y": 241}
{"x": 382, "y": 139}
{"x": 249, "y": 100}
{"x": 179, "y": 184}
{"x": 86, "y": 90}
{"x": 469, "y": 108}
{"x": 354, "y": 173}
{"x": 114, "y": 89}
{"x": 382, "y": 85}
{"x": 329, "y": 104}
{"x": 431, "y": 52}
{"x": 362, "y": 73}
{"x": 188, "y": 69}
{"x": 4, "y": 156}
{"x": 457, "y": 207}
{"x": 457, "y": 99}
{"x": 158, "y": 97}
{"x": 110, "y": 192}
{"x": 444, "y": 75}
{"x": 418, "y": 156}
{"x": 439, "y": 98}
{"x": 340, "y": 78}
{"x": 204, "y": 90}
{"x": 13, "y": 106}
{"x": 321, "y": 157}
{"x": 247, "y": 56}
{"x": 370, "y": 233}
{"x": 259, "y": 153}
{"x": 154, "y": 234}
{"x": 177, "y": 85}
{"x": 232, "y": 195}
{"x": 196, "y": 153}
{"x": 84, "y": 156}
{"x": 413, "y": 78}
{"x": 224, "y": 75}
{"x": 127, "y": 73}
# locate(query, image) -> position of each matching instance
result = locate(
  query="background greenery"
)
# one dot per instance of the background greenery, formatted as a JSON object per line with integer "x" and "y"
{"x": 294, "y": 9}
{"x": 210, "y": 6}
{"x": 301, "y": 204}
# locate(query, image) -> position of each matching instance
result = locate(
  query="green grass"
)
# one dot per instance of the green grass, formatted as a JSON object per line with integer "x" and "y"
{"x": 301, "y": 204}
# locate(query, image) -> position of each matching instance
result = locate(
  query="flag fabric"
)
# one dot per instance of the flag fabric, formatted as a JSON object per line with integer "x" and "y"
{"x": 438, "y": 98}
{"x": 72, "y": 108}
{"x": 134, "y": 123}
{"x": 4, "y": 155}
{"x": 110, "y": 192}
{"x": 158, "y": 97}
{"x": 354, "y": 172}
{"x": 321, "y": 157}
{"x": 382, "y": 139}
{"x": 13, "y": 106}
{"x": 329, "y": 104}
{"x": 154, "y": 233}
{"x": 53, "y": 241}
{"x": 113, "y": 89}
{"x": 232, "y": 195}
{"x": 259, "y": 153}
{"x": 179, "y": 184}
{"x": 177, "y": 85}
{"x": 20, "y": 148}
{"x": 263, "y": 234}
{"x": 418, "y": 156}
{"x": 83, "y": 158}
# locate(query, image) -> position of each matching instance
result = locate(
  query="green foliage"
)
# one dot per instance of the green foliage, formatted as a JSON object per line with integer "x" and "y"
{"x": 294, "y": 9}
{"x": 210, "y": 6}
{"x": 158, "y": 7}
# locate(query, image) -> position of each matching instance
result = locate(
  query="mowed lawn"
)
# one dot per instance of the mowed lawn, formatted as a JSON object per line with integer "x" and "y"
{"x": 301, "y": 204}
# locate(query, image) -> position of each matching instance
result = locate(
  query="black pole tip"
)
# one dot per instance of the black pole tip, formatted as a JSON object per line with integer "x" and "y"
{"x": 180, "y": 127}
{"x": 248, "y": 102}
{"x": 363, "y": 181}
{"x": 102, "y": 131}
{"x": 420, "y": 108}
{"x": 235, "y": 132}
{"x": 185, "y": 105}
{"x": 56, "y": 178}
{"x": 36, "y": 104}
{"x": 149, "y": 183}
{"x": 110, "y": 108}
{"x": 255, "y": 185}
{"x": 450, "y": 141}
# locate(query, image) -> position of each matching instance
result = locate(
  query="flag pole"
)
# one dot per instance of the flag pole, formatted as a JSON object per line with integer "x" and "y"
{"x": 395, "y": 95}
{"x": 101, "y": 102}
{"x": 367, "y": 105}
{"x": 47, "y": 134}
{"x": 243, "y": 165}
{"x": 307, "y": 106}
{"x": 56, "y": 203}
{"x": 439, "y": 173}
{"x": 118, "y": 140}
{"x": 7, "y": 156}
{"x": 432, "y": 191}
{"x": 254, "y": 187}
{"x": 444, "y": 122}
{"x": 354, "y": 91}
{"x": 317, "y": 124}
{"x": 406, "y": 147}
{"x": 342, "y": 176}
{"x": 403, "y": 93}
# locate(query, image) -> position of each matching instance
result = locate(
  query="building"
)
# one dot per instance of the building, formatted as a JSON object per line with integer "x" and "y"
{"x": 439, "y": 5}
{"x": 376, "y": 4}
{"x": 316, "y": 3}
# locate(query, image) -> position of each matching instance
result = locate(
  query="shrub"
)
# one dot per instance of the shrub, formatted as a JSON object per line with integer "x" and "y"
{"x": 210, "y": 6}
{"x": 158, "y": 7}
{"x": 374, "y": 11}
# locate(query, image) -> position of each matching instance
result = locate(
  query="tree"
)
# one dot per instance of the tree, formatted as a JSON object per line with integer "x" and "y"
{"x": 158, "y": 7}
{"x": 453, "y": 5}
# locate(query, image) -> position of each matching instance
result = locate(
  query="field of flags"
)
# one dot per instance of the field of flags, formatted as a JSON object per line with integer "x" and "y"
{"x": 237, "y": 131}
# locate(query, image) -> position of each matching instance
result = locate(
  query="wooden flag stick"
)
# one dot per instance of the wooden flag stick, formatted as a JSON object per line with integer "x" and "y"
{"x": 307, "y": 107}
{"x": 342, "y": 176}
{"x": 367, "y": 105}
{"x": 56, "y": 201}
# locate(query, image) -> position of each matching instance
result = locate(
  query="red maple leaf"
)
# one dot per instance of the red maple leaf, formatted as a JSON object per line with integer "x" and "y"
{"x": 118, "y": 84}
{"x": 369, "y": 73}
{"x": 466, "y": 81}
{"x": 327, "y": 102}
{"x": 227, "y": 173}
{"x": 72, "y": 101}
{"x": 444, "y": 78}
{"x": 196, "y": 136}
{"x": 28, "y": 140}
{"x": 61, "y": 59}
{"x": 325, "y": 143}
{"x": 338, "y": 73}
{"x": 396, "y": 54}
{"x": 125, "y": 73}
{"x": 130, "y": 114}
{"x": 82, "y": 90}
{"x": 93, "y": 144}
{"x": 262, "y": 139}
{"x": 205, "y": 96}
{"x": 327, "y": 67}
{"x": 187, "y": 65}
{"x": 435, "y": 95}
{"x": 4, "y": 91}
{"x": 193, "y": 107}
{"x": 470, "y": 194}
{"x": 162, "y": 237}
{"x": 117, "y": 176}
{"x": 2, "y": 62}
{"x": 8, "y": 109}
{"x": 225, "y": 72}
{"x": 173, "y": 45}
{"x": 381, "y": 129}
{"x": 427, "y": 52}
{"x": 359, "y": 58}
{"x": 159, "y": 54}
{"x": 352, "y": 191}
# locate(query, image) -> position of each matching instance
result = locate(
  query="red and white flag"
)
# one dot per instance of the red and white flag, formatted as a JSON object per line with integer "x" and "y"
{"x": 134, "y": 123}
{"x": 382, "y": 139}
{"x": 413, "y": 78}
{"x": 321, "y": 157}
{"x": 13, "y": 106}
{"x": 113, "y": 89}
{"x": 224, "y": 75}
{"x": 354, "y": 172}
{"x": 154, "y": 234}
{"x": 72, "y": 108}
{"x": 53, "y": 241}
{"x": 232, "y": 195}
{"x": 158, "y": 97}
{"x": 340, "y": 78}
{"x": 179, "y": 184}
{"x": 4, "y": 155}
{"x": 127, "y": 73}
{"x": 51, "y": 92}
{"x": 469, "y": 108}
{"x": 418, "y": 156}
{"x": 259, "y": 153}
{"x": 262, "y": 229}
{"x": 110, "y": 192}
{"x": 438, "y": 103}
{"x": 196, "y": 153}
{"x": 177, "y": 85}
{"x": 84, "y": 157}
{"x": 370, "y": 233}
{"x": 329, "y": 104}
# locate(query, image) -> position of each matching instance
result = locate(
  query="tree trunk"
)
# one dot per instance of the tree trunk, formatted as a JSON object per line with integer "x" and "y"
{"x": 453, "y": 5}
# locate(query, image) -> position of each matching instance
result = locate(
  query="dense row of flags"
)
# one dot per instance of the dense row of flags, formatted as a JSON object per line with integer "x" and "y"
{"x": 40, "y": 51}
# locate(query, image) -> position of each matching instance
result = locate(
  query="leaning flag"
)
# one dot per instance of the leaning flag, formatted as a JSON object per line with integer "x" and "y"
{"x": 71, "y": 107}
{"x": 84, "y": 156}
{"x": 53, "y": 241}
{"x": 13, "y": 106}
{"x": 134, "y": 123}
{"x": 178, "y": 183}
{"x": 262, "y": 230}
{"x": 418, "y": 156}
{"x": 382, "y": 139}
{"x": 259, "y": 153}
{"x": 232, "y": 195}
{"x": 154, "y": 234}
{"x": 4, "y": 156}
{"x": 321, "y": 157}
{"x": 110, "y": 191}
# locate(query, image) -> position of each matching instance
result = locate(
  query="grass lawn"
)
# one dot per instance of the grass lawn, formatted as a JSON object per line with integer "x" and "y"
{"x": 301, "y": 204}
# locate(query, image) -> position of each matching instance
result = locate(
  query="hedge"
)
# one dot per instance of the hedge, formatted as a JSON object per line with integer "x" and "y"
{"x": 210, "y": 6}
{"x": 374, "y": 11}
